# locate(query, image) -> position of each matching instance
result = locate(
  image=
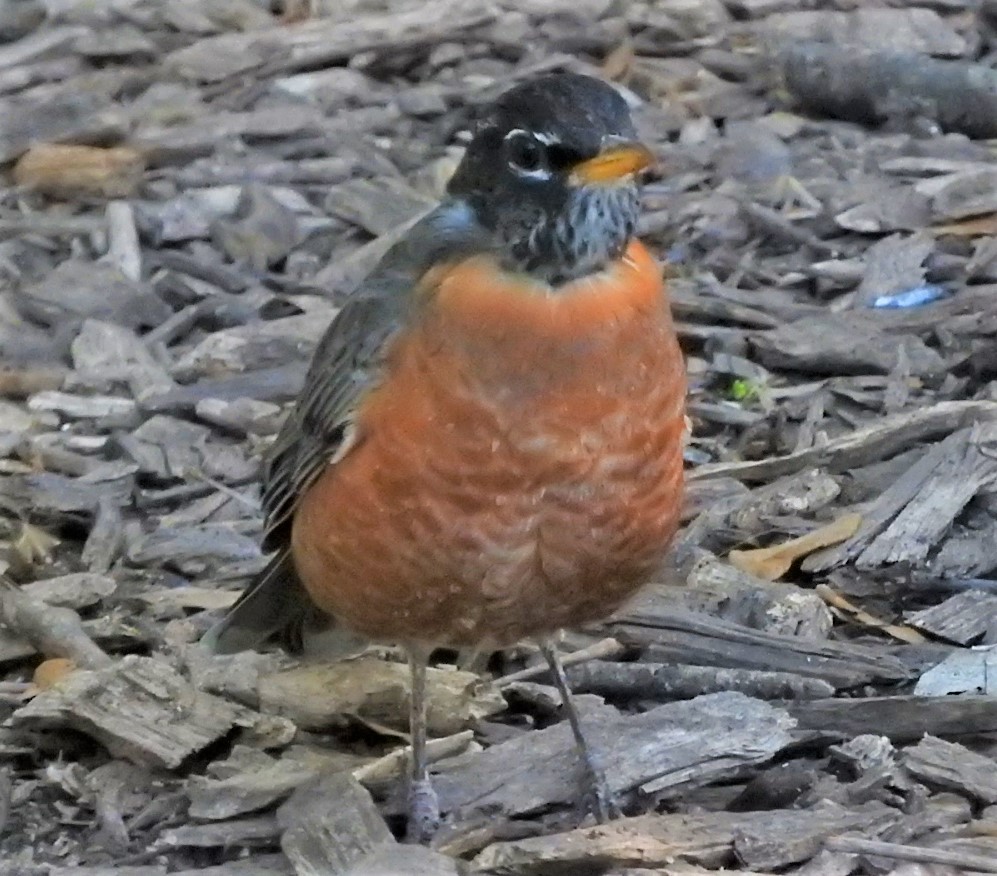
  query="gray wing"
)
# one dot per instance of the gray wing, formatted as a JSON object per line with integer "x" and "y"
{"x": 346, "y": 364}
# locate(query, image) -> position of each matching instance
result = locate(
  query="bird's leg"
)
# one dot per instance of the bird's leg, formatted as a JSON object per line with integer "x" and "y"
{"x": 423, "y": 807}
{"x": 602, "y": 804}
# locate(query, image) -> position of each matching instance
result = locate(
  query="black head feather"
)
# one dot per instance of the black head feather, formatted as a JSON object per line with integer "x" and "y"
{"x": 517, "y": 176}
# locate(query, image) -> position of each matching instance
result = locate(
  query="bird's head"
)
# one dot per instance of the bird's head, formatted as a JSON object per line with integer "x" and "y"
{"x": 551, "y": 171}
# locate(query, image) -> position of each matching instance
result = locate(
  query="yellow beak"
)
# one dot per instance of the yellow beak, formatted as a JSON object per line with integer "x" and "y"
{"x": 613, "y": 163}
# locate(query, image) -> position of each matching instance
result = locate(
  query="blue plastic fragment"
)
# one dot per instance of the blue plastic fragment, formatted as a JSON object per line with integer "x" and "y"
{"x": 916, "y": 297}
{"x": 695, "y": 456}
{"x": 678, "y": 254}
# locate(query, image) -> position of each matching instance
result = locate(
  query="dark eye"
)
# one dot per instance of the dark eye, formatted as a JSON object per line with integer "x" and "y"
{"x": 525, "y": 153}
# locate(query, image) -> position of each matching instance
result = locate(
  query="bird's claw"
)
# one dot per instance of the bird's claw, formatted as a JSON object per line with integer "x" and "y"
{"x": 423, "y": 812}
{"x": 597, "y": 797}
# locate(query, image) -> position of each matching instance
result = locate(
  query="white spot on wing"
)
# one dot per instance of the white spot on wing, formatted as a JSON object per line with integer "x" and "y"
{"x": 347, "y": 444}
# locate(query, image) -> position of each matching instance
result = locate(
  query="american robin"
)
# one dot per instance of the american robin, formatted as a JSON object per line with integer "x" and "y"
{"x": 488, "y": 444}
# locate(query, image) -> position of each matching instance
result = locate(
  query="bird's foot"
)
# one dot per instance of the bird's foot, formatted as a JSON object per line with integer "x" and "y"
{"x": 423, "y": 812}
{"x": 597, "y": 796}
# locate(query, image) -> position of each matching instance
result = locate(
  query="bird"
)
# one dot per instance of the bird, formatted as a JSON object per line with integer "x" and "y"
{"x": 488, "y": 445}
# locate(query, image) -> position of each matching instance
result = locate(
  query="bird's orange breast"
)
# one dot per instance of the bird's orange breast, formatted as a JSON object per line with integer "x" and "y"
{"x": 517, "y": 470}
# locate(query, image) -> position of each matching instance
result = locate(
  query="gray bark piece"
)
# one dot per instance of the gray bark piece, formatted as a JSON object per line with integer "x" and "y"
{"x": 257, "y": 345}
{"x": 760, "y": 839}
{"x": 964, "y": 671}
{"x": 870, "y": 86}
{"x": 99, "y": 292}
{"x": 678, "y": 745}
{"x": 677, "y": 681}
{"x": 914, "y": 29}
{"x": 331, "y": 825}
{"x": 322, "y": 45}
{"x": 408, "y": 860}
{"x": 930, "y": 514}
{"x": 245, "y": 792}
{"x": 843, "y": 343}
{"x": 961, "y": 618}
{"x": 258, "y": 865}
{"x": 953, "y": 767}
{"x": 879, "y": 440}
{"x": 688, "y": 637}
{"x": 138, "y": 708}
{"x": 261, "y": 830}
{"x": 105, "y": 353}
{"x": 900, "y": 718}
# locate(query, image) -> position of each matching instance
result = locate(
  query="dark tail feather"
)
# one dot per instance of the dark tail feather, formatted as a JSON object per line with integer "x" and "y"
{"x": 275, "y": 602}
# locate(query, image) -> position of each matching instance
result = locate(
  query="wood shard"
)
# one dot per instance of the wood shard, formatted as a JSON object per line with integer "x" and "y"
{"x": 138, "y": 708}
{"x": 761, "y": 839}
{"x": 251, "y": 780}
{"x": 968, "y": 468}
{"x": 899, "y": 717}
{"x": 698, "y": 638}
{"x": 677, "y": 681}
{"x": 773, "y": 562}
{"x": 673, "y": 746}
{"x": 877, "y": 441}
{"x": 962, "y": 618}
{"x": 953, "y": 767}
{"x": 74, "y": 171}
{"x": 330, "y": 825}
{"x": 319, "y": 696}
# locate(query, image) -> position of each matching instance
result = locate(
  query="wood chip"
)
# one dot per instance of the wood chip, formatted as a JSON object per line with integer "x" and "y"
{"x": 54, "y": 630}
{"x": 672, "y": 746}
{"x": 667, "y": 681}
{"x": 330, "y": 826}
{"x": 953, "y": 767}
{"x": 320, "y": 696}
{"x": 705, "y": 584}
{"x": 900, "y": 718}
{"x": 964, "y": 671}
{"x": 76, "y": 591}
{"x": 910, "y": 537}
{"x": 260, "y": 782}
{"x": 760, "y": 839}
{"x": 67, "y": 117}
{"x": 871, "y": 443}
{"x": 319, "y": 43}
{"x": 257, "y": 865}
{"x": 106, "y": 354}
{"x": 859, "y": 615}
{"x": 961, "y": 195}
{"x": 843, "y": 343}
{"x": 138, "y": 708}
{"x": 256, "y": 345}
{"x": 836, "y": 78}
{"x": 51, "y": 672}
{"x": 261, "y": 830}
{"x": 771, "y": 563}
{"x": 696, "y": 638}
{"x": 80, "y": 171}
{"x": 99, "y": 291}
{"x": 962, "y": 618}
{"x": 916, "y": 29}
{"x": 410, "y": 860}
{"x": 901, "y": 852}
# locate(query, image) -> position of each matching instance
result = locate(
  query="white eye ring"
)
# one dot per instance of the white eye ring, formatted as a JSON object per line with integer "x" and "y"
{"x": 541, "y": 171}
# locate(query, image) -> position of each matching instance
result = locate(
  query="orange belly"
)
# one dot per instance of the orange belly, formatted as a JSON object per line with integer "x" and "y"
{"x": 518, "y": 470}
